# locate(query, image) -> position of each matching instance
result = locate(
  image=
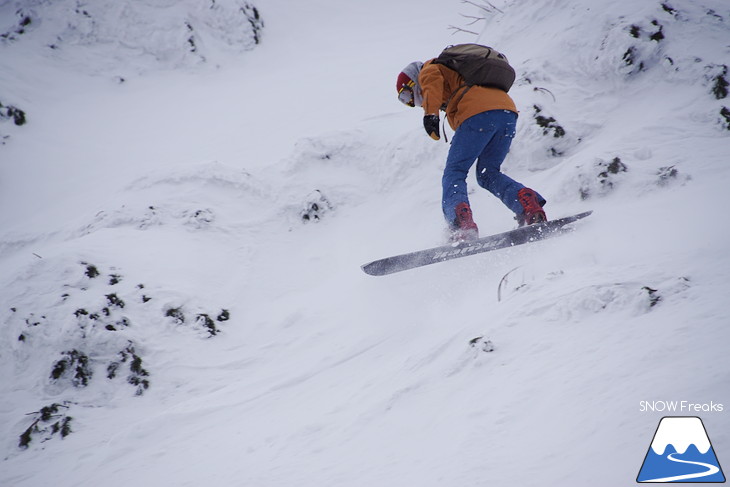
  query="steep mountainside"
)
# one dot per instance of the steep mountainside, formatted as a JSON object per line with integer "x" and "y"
{"x": 188, "y": 190}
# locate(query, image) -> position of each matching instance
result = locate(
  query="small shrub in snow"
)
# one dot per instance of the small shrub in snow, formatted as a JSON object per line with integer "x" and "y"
{"x": 14, "y": 113}
{"x": 75, "y": 364}
{"x": 711, "y": 13}
{"x": 629, "y": 298}
{"x": 118, "y": 325}
{"x": 254, "y": 19}
{"x": 149, "y": 216}
{"x": 115, "y": 300}
{"x": 482, "y": 344}
{"x": 614, "y": 167}
{"x": 144, "y": 298}
{"x": 206, "y": 322}
{"x": 548, "y": 124}
{"x": 316, "y": 207}
{"x": 202, "y": 321}
{"x": 658, "y": 34}
{"x": 48, "y": 422}
{"x": 666, "y": 291}
{"x": 669, "y": 174}
{"x": 11, "y": 113}
{"x": 643, "y": 53}
{"x": 199, "y": 219}
{"x": 176, "y": 314}
{"x": 547, "y": 133}
{"x": 21, "y": 26}
{"x": 138, "y": 375}
{"x": 725, "y": 118}
{"x": 717, "y": 77}
{"x": 81, "y": 312}
{"x": 191, "y": 38}
{"x": 91, "y": 270}
{"x": 630, "y": 58}
{"x": 654, "y": 296}
{"x": 668, "y": 8}
{"x": 605, "y": 179}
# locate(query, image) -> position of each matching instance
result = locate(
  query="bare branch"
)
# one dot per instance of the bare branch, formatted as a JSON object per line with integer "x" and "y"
{"x": 475, "y": 19}
{"x": 545, "y": 90}
{"x": 459, "y": 29}
{"x": 488, "y": 8}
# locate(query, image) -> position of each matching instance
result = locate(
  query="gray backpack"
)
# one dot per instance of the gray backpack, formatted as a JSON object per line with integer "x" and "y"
{"x": 478, "y": 65}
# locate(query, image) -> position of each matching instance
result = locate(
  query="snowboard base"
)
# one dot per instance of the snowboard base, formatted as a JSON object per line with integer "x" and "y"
{"x": 519, "y": 236}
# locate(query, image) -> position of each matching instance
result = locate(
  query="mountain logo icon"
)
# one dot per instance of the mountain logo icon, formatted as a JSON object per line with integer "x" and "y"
{"x": 681, "y": 452}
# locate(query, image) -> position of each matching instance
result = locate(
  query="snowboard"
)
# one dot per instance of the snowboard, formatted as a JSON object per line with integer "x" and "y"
{"x": 519, "y": 236}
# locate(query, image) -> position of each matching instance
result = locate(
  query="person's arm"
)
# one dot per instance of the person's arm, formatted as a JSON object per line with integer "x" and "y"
{"x": 432, "y": 87}
{"x": 431, "y": 81}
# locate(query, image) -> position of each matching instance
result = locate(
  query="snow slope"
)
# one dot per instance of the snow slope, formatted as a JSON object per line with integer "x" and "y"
{"x": 169, "y": 317}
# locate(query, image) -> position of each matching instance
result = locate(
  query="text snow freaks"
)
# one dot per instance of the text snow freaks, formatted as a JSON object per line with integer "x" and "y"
{"x": 679, "y": 407}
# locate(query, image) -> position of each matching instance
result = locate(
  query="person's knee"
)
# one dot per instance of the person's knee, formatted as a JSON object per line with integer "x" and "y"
{"x": 486, "y": 177}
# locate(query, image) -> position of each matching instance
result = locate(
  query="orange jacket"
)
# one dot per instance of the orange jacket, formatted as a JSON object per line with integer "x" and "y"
{"x": 438, "y": 84}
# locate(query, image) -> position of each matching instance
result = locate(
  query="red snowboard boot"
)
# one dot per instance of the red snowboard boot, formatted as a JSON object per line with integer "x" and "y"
{"x": 533, "y": 212}
{"x": 464, "y": 229}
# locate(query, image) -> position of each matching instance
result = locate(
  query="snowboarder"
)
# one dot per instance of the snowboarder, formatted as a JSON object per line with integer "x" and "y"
{"x": 484, "y": 121}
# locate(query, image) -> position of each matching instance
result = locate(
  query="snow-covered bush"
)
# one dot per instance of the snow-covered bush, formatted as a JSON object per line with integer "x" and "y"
{"x": 86, "y": 331}
{"x": 112, "y": 35}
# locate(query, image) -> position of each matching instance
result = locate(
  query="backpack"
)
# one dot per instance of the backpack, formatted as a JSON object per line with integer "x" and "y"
{"x": 478, "y": 65}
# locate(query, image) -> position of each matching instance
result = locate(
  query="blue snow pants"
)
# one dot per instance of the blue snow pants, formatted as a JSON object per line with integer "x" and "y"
{"x": 485, "y": 138}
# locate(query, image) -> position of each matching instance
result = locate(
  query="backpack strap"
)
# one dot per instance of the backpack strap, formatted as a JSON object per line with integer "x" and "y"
{"x": 467, "y": 86}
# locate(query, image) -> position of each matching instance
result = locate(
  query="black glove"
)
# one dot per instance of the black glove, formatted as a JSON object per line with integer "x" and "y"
{"x": 431, "y": 124}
